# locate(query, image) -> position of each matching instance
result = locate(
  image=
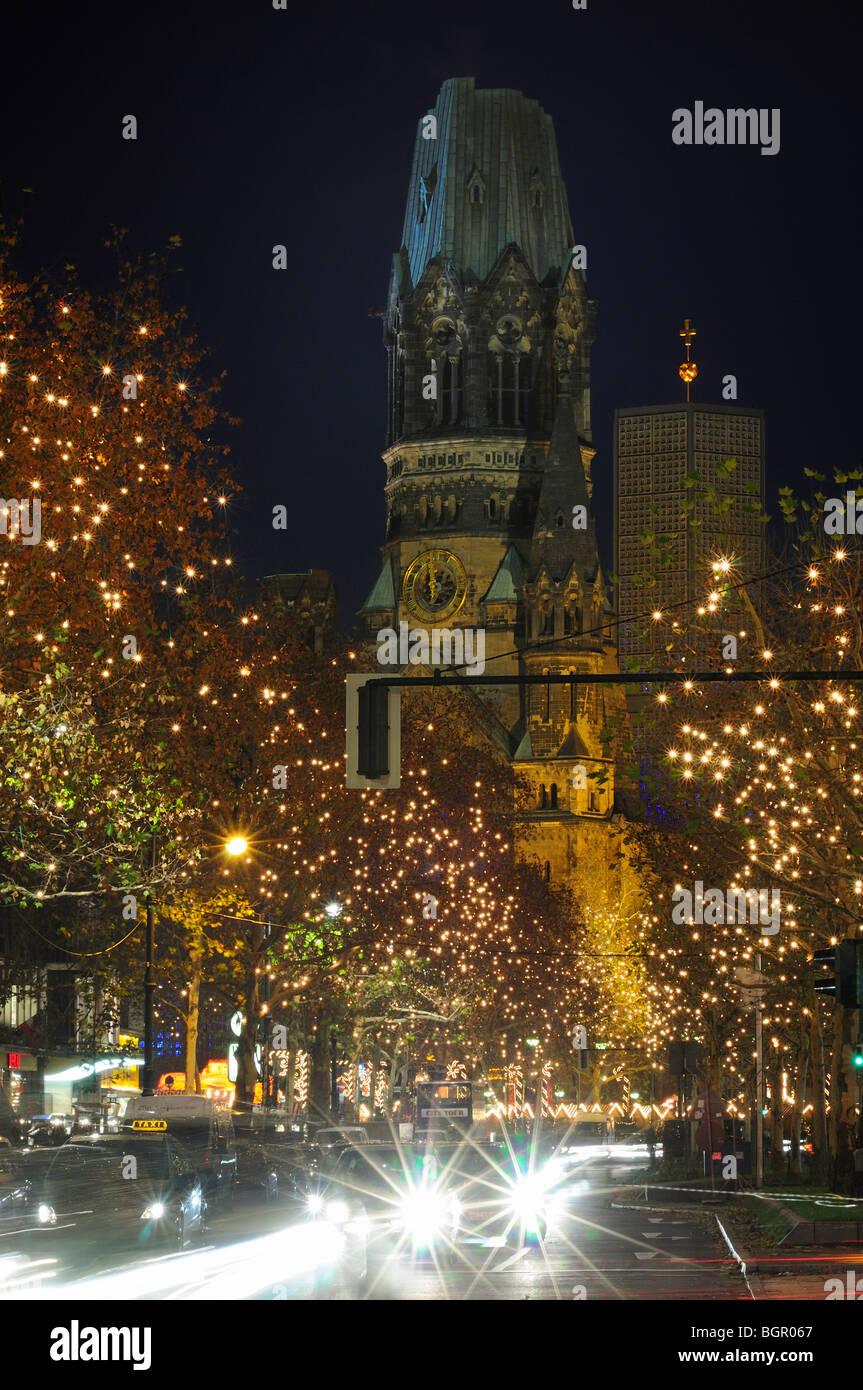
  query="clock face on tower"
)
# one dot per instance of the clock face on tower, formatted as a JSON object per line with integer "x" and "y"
{"x": 435, "y": 585}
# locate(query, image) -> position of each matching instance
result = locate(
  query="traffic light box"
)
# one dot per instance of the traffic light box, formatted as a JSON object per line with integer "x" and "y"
{"x": 846, "y": 982}
{"x": 373, "y": 732}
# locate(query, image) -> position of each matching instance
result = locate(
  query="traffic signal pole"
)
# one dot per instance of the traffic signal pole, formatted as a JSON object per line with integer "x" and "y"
{"x": 373, "y": 730}
{"x": 759, "y": 1087}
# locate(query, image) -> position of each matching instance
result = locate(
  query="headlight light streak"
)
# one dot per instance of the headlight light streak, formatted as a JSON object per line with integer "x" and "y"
{"x": 230, "y": 1272}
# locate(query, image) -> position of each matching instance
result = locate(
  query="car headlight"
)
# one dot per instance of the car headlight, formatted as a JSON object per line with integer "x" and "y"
{"x": 46, "y": 1214}
{"x": 315, "y": 1203}
{"x": 528, "y": 1201}
{"x": 425, "y": 1215}
{"x": 337, "y": 1212}
{"x": 155, "y": 1212}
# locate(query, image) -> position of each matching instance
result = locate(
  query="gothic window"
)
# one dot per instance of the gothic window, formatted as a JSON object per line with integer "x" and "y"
{"x": 449, "y": 390}
{"x": 427, "y": 187}
{"x": 558, "y": 521}
{"x": 543, "y": 797}
{"x": 492, "y": 508}
{"x": 523, "y": 391}
{"x": 448, "y": 367}
{"x": 399, "y": 404}
{"x": 554, "y": 796}
{"x": 508, "y": 389}
{"x": 547, "y": 871}
{"x": 595, "y": 802}
{"x": 476, "y": 189}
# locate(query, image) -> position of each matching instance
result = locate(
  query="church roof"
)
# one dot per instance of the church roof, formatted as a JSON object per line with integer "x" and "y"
{"x": 573, "y": 745}
{"x": 556, "y": 543}
{"x": 525, "y": 748}
{"x": 383, "y": 595}
{"x": 507, "y": 582}
{"x": 504, "y": 142}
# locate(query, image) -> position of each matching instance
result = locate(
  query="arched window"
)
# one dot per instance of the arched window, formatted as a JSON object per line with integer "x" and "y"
{"x": 558, "y": 521}
{"x": 476, "y": 193}
{"x": 399, "y": 394}
{"x": 492, "y": 508}
{"x": 554, "y": 796}
{"x": 547, "y": 871}
{"x": 449, "y": 383}
{"x": 509, "y": 379}
{"x": 523, "y": 391}
{"x": 543, "y": 797}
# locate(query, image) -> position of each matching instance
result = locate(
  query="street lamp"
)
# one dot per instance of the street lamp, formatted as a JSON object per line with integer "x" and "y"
{"x": 237, "y": 845}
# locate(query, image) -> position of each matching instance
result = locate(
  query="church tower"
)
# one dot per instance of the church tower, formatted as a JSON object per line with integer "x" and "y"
{"x": 488, "y": 329}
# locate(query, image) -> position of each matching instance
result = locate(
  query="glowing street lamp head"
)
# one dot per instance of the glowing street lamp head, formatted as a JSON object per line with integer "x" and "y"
{"x": 333, "y": 909}
{"x": 236, "y": 845}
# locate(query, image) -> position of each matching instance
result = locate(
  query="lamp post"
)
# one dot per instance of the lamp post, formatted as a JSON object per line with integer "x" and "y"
{"x": 148, "y": 1078}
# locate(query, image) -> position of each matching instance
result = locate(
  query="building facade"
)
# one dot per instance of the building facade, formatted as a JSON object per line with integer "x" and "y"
{"x": 488, "y": 329}
{"x": 656, "y": 450}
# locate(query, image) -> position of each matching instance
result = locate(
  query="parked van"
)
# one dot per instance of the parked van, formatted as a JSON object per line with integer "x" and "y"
{"x": 200, "y": 1129}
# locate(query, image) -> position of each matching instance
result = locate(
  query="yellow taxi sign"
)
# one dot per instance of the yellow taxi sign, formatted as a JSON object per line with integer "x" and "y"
{"x": 150, "y": 1124}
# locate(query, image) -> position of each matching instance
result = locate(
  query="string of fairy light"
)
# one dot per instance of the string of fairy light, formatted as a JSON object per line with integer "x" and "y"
{"x": 777, "y": 775}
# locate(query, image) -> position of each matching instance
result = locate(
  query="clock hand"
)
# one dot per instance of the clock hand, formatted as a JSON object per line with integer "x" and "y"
{"x": 433, "y": 582}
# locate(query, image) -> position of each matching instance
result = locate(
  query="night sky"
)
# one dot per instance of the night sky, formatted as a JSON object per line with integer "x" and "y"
{"x": 259, "y": 126}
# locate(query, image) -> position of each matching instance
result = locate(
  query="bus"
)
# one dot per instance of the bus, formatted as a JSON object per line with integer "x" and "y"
{"x": 444, "y": 1105}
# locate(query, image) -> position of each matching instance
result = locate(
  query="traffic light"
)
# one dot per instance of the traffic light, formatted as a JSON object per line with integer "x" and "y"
{"x": 846, "y": 982}
{"x": 858, "y": 1056}
{"x": 373, "y": 733}
{"x": 579, "y": 1045}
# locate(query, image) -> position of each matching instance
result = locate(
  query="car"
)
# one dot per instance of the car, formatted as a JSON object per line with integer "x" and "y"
{"x": 394, "y": 1192}
{"x": 502, "y": 1196}
{"x": 199, "y": 1130}
{"x": 108, "y": 1190}
{"x": 276, "y": 1170}
{"x": 331, "y": 1137}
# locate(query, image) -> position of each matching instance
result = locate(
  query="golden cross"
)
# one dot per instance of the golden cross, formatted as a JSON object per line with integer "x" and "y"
{"x": 687, "y": 333}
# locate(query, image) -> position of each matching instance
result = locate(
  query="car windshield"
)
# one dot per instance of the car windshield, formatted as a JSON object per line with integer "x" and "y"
{"x": 193, "y": 1136}
{"x": 383, "y": 1167}
{"x": 467, "y": 1161}
{"x": 152, "y": 1153}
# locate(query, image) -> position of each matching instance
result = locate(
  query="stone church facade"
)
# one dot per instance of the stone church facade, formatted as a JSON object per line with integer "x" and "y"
{"x": 488, "y": 329}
